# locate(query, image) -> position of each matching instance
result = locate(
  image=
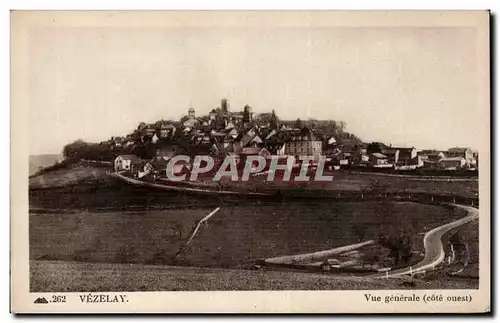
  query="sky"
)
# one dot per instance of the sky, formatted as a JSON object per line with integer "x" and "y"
{"x": 407, "y": 86}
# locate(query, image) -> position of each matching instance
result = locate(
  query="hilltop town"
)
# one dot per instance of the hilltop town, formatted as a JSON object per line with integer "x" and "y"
{"x": 223, "y": 132}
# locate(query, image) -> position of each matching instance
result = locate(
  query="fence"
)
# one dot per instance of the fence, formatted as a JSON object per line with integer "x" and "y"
{"x": 415, "y": 172}
{"x": 418, "y": 197}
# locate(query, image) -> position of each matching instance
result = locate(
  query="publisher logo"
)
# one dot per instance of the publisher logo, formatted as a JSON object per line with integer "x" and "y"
{"x": 41, "y": 300}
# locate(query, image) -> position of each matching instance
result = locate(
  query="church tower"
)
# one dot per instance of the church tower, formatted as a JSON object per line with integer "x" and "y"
{"x": 191, "y": 113}
{"x": 224, "y": 105}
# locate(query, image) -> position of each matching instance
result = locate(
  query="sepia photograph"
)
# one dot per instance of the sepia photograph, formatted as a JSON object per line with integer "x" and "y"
{"x": 251, "y": 152}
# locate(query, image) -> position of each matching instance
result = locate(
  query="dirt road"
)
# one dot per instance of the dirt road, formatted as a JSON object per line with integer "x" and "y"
{"x": 434, "y": 252}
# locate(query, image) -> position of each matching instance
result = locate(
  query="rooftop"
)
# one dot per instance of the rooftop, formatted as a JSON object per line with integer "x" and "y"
{"x": 379, "y": 155}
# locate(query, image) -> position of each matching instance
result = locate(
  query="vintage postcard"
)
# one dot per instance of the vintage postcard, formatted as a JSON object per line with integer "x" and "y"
{"x": 250, "y": 162}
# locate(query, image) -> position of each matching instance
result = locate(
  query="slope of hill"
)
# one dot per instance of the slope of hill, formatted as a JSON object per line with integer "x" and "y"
{"x": 40, "y": 161}
{"x": 76, "y": 174}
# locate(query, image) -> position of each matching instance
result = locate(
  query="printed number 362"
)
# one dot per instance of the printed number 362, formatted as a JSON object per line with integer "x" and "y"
{"x": 58, "y": 299}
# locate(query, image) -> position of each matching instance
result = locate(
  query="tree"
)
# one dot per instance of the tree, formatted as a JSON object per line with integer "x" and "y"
{"x": 374, "y": 147}
{"x": 331, "y": 127}
{"x": 298, "y": 123}
{"x": 80, "y": 149}
{"x": 399, "y": 245}
{"x": 341, "y": 126}
{"x": 141, "y": 126}
{"x": 74, "y": 149}
{"x": 359, "y": 230}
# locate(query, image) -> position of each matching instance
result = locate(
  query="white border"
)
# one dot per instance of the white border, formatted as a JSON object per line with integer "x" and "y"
{"x": 214, "y": 4}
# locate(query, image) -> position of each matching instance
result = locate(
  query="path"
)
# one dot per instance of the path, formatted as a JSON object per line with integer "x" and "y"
{"x": 315, "y": 256}
{"x": 184, "y": 189}
{"x": 434, "y": 252}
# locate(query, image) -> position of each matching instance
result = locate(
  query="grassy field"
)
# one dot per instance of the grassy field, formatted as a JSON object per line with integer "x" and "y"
{"x": 68, "y": 176}
{"x": 236, "y": 236}
{"x": 468, "y": 234}
{"x": 50, "y": 276}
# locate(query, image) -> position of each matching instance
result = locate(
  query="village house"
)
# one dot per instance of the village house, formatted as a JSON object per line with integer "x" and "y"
{"x": 202, "y": 137}
{"x": 431, "y": 155}
{"x": 465, "y": 153}
{"x": 228, "y": 143}
{"x": 233, "y": 133}
{"x": 255, "y": 151}
{"x": 255, "y": 142}
{"x": 359, "y": 154}
{"x": 218, "y": 136}
{"x": 350, "y": 152}
{"x": 275, "y": 146}
{"x": 379, "y": 160}
{"x": 165, "y": 129}
{"x": 191, "y": 121}
{"x": 406, "y": 156}
{"x": 270, "y": 134}
{"x": 452, "y": 163}
{"x": 430, "y": 158}
{"x": 304, "y": 143}
{"x": 391, "y": 154}
{"x": 399, "y": 156}
{"x": 247, "y": 137}
{"x": 149, "y": 130}
{"x": 126, "y": 163}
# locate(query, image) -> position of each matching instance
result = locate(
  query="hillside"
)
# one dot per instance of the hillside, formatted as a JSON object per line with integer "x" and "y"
{"x": 67, "y": 176}
{"x": 39, "y": 161}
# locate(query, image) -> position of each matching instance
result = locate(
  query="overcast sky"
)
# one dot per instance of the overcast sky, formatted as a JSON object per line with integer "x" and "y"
{"x": 405, "y": 86}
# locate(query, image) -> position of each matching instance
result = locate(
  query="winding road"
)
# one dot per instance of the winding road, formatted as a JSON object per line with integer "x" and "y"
{"x": 184, "y": 189}
{"x": 434, "y": 251}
